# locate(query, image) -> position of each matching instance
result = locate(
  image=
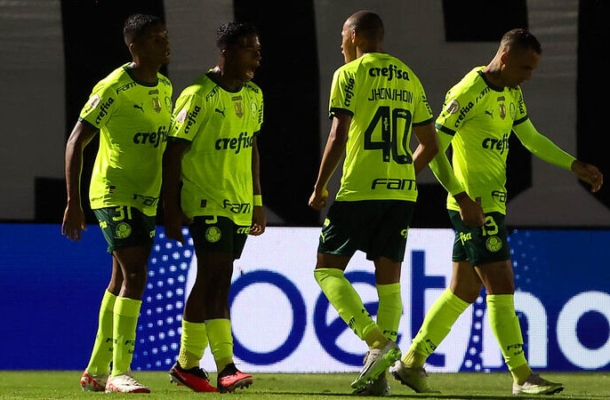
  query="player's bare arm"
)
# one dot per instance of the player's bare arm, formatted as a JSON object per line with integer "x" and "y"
{"x": 470, "y": 210}
{"x": 74, "y": 218}
{"x": 173, "y": 216}
{"x": 333, "y": 153}
{"x": 428, "y": 146}
{"x": 259, "y": 219}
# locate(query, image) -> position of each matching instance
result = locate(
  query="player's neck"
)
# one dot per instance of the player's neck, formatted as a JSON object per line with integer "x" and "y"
{"x": 493, "y": 74}
{"x": 224, "y": 79}
{"x": 368, "y": 49}
{"x": 144, "y": 73}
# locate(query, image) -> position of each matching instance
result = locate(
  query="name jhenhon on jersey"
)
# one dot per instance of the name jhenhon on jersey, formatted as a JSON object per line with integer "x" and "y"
{"x": 391, "y": 94}
{"x": 386, "y": 100}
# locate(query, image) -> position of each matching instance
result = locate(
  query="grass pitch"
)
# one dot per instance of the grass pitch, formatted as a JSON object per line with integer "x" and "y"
{"x": 18, "y": 385}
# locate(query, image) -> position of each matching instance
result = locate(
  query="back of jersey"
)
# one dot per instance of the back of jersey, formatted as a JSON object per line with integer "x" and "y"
{"x": 386, "y": 99}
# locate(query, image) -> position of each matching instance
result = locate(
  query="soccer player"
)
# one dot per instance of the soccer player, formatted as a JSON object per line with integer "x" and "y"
{"x": 131, "y": 107}
{"x": 376, "y": 104}
{"x": 479, "y": 114}
{"x": 211, "y": 182}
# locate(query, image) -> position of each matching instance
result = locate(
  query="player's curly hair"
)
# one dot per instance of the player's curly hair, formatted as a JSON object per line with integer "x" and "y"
{"x": 136, "y": 25}
{"x": 229, "y": 33}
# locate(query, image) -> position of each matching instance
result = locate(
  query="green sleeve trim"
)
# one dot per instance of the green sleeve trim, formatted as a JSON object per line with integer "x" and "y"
{"x": 444, "y": 129}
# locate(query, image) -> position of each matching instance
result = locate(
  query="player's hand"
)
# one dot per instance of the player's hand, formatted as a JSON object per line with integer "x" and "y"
{"x": 259, "y": 221}
{"x": 588, "y": 173}
{"x": 73, "y": 223}
{"x": 471, "y": 212}
{"x": 173, "y": 220}
{"x": 317, "y": 200}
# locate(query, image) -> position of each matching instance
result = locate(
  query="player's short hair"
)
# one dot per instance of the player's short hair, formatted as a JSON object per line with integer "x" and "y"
{"x": 521, "y": 38}
{"x": 229, "y": 33}
{"x": 136, "y": 25}
{"x": 368, "y": 24}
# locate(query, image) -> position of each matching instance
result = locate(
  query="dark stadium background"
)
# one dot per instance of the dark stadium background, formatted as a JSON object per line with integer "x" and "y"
{"x": 290, "y": 152}
{"x": 54, "y": 51}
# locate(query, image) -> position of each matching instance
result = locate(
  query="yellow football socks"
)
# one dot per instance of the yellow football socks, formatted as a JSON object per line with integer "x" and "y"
{"x": 436, "y": 326}
{"x": 342, "y": 295}
{"x": 193, "y": 341}
{"x": 375, "y": 338}
{"x": 414, "y": 359}
{"x": 101, "y": 356}
{"x": 390, "y": 310}
{"x": 221, "y": 341}
{"x": 507, "y": 330}
{"x": 126, "y": 313}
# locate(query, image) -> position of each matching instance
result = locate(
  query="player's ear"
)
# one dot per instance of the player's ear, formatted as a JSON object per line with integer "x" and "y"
{"x": 353, "y": 36}
{"x": 504, "y": 57}
{"x": 133, "y": 48}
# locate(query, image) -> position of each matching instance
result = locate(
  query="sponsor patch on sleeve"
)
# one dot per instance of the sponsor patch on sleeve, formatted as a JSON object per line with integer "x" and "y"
{"x": 181, "y": 117}
{"x": 94, "y": 101}
{"x": 453, "y": 106}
